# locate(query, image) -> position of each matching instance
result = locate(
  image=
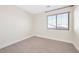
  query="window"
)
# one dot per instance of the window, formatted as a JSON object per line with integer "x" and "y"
{"x": 59, "y": 21}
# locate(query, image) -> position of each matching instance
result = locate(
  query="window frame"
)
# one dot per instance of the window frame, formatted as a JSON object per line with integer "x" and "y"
{"x": 56, "y": 21}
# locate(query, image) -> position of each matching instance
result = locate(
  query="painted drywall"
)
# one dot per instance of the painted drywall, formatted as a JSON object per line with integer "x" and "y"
{"x": 15, "y": 25}
{"x": 41, "y": 29}
{"x": 76, "y": 27}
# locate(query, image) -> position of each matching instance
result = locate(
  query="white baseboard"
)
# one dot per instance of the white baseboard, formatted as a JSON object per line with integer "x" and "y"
{"x": 14, "y": 42}
{"x": 76, "y": 46}
{"x": 60, "y": 40}
{"x": 54, "y": 39}
{"x": 40, "y": 37}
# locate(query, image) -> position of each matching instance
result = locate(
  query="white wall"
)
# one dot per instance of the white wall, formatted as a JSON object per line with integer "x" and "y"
{"x": 15, "y": 25}
{"x": 42, "y": 30}
{"x": 76, "y": 27}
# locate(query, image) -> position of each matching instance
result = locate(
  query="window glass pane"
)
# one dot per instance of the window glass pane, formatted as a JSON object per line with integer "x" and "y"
{"x": 51, "y": 21}
{"x": 62, "y": 21}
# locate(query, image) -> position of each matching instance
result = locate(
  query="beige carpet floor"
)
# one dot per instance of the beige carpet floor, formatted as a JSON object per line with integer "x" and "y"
{"x": 39, "y": 45}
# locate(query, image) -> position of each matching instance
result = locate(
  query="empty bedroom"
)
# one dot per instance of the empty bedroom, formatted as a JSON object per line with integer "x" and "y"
{"x": 39, "y": 28}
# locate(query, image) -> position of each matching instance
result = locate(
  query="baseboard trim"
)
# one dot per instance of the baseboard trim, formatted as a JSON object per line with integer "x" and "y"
{"x": 37, "y": 36}
{"x": 15, "y": 41}
{"x": 60, "y": 40}
{"x": 76, "y": 47}
{"x": 53, "y": 39}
